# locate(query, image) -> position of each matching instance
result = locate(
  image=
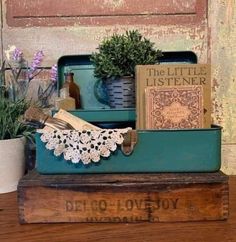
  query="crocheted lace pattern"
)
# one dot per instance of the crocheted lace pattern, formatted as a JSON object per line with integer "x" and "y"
{"x": 86, "y": 146}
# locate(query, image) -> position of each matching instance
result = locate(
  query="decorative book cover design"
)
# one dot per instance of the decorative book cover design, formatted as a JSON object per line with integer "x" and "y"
{"x": 178, "y": 75}
{"x": 174, "y": 107}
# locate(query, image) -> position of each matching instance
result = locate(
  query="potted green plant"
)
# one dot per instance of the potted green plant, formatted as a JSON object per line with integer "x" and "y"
{"x": 115, "y": 63}
{"x": 13, "y": 135}
{"x": 13, "y": 104}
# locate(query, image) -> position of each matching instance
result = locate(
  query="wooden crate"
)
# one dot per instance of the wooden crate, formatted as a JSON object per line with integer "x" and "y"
{"x": 123, "y": 197}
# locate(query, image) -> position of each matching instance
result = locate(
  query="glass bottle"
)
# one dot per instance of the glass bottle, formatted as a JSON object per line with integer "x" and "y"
{"x": 65, "y": 101}
{"x": 74, "y": 90}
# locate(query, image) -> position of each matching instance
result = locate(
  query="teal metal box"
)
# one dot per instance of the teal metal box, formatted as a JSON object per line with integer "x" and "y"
{"x": 193, "y": 150}
{"x": 197, "y": 150}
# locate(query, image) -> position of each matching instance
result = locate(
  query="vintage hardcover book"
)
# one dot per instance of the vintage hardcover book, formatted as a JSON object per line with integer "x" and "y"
{"x": 163, "y": 197}
{"x": 174, "y": 107}
{"x": 172, "y": 75}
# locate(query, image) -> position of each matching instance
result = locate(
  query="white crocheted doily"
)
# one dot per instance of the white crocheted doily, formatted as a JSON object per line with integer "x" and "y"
{"x": 85, "y": 146}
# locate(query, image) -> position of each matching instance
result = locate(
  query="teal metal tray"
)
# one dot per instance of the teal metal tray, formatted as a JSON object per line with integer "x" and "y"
{"x": 187, "y": 150}
{"x": 83, "y": 71}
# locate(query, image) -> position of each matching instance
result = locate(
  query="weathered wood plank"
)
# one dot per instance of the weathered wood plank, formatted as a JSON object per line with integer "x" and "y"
{"x": 56, "y": 42}
{"x": 11, "y": 230}
{"x": 92, "y": 7}
{"x": 123, "y": 198}
{"x": 229, "y": 159}
{"x": 60, "y": 13}
{"x": 222, "y": 21}
{"x": 149, "y": 179}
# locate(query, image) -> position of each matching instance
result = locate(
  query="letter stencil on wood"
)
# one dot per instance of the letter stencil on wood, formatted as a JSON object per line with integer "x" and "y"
{"x": 123, "y": 198}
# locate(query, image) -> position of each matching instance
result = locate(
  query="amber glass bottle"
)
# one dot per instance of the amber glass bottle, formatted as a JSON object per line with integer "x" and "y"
{"x": 74, "y": 90}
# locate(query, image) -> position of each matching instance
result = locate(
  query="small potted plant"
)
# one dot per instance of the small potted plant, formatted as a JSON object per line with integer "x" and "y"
{"x": 115, "y": 64}
{"x": 13, "y": 135}
{"x": 13, "y": 104}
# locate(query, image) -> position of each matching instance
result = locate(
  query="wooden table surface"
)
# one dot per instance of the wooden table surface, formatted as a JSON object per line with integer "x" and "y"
{"x": 11, "y": 230}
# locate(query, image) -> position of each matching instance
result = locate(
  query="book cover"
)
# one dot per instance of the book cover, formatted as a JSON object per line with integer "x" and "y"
{"x": 178, "y": 75}
{"x": 174, "y": 107}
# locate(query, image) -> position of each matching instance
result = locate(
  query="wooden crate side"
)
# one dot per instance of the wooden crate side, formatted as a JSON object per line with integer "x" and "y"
{"x": 33, "y": 178}
{"x": 160, "y": 203}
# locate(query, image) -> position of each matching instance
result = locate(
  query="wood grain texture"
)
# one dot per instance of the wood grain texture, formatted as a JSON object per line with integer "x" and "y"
{"x": 36, "y": 179}
{"x": 60, "y": 13}
{"x": 76, "y": 38}
{"x": 11, "y": 230}
{"x": 123, "y": 198}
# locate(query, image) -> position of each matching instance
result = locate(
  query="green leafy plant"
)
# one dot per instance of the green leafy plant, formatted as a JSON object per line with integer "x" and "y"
{"x": 10, "y": 124}
{"x": 118, "y": 55}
